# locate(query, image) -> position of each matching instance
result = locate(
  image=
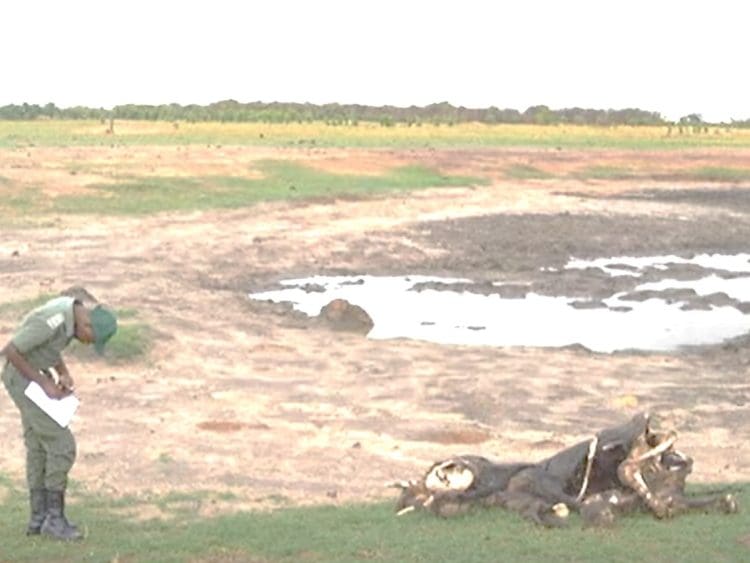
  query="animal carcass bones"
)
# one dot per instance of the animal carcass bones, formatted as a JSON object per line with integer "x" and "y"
{"x": 621, "y": 469}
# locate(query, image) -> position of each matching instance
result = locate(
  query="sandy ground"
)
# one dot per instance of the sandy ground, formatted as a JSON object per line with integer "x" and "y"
{"x": 249, "y": 398}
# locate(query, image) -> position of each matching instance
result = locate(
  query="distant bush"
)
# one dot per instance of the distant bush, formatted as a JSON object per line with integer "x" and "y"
{"x": 338, "y": 114}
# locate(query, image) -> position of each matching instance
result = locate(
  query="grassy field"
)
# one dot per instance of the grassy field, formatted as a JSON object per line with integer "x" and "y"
{"x": 19, "y": 134}
{"x": 140, "y": 195}
{"x": 282, "y": 180}
{"x": 358, "y": 533}
{"x": 133, "y": 194}
{"x": 328, "y": 533}
{"x": 119, "y": 185}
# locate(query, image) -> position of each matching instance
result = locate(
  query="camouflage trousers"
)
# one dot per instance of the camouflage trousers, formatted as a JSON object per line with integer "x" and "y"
{"x": 50, "y": 449}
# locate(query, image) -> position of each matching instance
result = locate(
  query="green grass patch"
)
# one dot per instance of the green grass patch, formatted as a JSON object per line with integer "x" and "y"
{"x": 526, "y": 172}
{"x": 126, "y": 314}
{"x": 720, "y": 174}
{"x": 605, "y": 173}
{"x": 357, "y": 533}
{"x": 180, "y": 503}
{"x": 23, "y": 202}
{"x": 22, "y": 209}
{"x": 281, "y": 180}
{"x": 132, "y": 341}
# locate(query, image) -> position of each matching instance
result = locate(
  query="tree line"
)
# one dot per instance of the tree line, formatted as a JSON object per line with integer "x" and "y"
{"x": 344, "y": 114}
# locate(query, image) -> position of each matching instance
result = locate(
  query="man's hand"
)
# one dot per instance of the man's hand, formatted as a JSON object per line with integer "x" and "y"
{"x": 53, "y": 390}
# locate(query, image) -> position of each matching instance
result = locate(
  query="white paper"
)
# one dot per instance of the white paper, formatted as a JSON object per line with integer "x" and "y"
{"x": 59, "y": 410}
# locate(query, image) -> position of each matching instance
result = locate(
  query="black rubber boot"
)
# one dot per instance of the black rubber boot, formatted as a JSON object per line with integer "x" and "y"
{"x": 55, "y": 524}
{"x": 38, "y": 502}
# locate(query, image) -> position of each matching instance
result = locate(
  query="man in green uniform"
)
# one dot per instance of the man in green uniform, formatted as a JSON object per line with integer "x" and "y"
{"x": 34, "y": 355}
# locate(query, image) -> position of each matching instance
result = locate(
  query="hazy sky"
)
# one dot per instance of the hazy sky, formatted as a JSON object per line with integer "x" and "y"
{"x": 674, "y": 57}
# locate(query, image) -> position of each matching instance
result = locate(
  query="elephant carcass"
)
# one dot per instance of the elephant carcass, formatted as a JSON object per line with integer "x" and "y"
{"x": 619, "y": 470}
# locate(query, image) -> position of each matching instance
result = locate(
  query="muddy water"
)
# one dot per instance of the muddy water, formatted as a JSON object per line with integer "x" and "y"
{"x": 426, "y": 308}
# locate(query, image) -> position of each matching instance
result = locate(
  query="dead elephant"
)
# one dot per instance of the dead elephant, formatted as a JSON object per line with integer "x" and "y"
{"x": 620, "y": 470}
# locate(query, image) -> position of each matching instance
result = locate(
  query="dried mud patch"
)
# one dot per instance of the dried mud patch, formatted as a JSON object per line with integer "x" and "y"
{"x": 495, "y": 245}
{"x": 452, "y": 435}
{"x": 226, "y": 426}
{"x": 730, "y": 199}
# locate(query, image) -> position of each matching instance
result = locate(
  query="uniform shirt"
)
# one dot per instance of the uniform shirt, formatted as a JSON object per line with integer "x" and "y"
{"x": 45, "y": 332}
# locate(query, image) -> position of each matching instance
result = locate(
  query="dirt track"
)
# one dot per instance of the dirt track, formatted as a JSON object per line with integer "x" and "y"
{"x": 247, "y": 397}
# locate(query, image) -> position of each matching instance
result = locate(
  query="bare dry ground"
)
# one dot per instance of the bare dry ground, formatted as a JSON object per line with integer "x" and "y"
{"x": 251, "y": 399}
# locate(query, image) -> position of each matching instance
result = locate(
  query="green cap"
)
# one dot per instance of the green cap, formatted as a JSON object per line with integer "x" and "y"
{"x": 104, "y": 324}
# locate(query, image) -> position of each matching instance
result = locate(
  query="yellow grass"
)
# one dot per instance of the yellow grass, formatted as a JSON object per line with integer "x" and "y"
{"x": 51, "y": 132}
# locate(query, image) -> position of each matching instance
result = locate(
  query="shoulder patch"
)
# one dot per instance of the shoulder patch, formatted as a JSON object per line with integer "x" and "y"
{"x": 55, "y": 320}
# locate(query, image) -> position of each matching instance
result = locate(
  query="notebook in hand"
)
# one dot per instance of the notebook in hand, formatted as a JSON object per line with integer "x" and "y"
{"x": 59, "y": 410}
